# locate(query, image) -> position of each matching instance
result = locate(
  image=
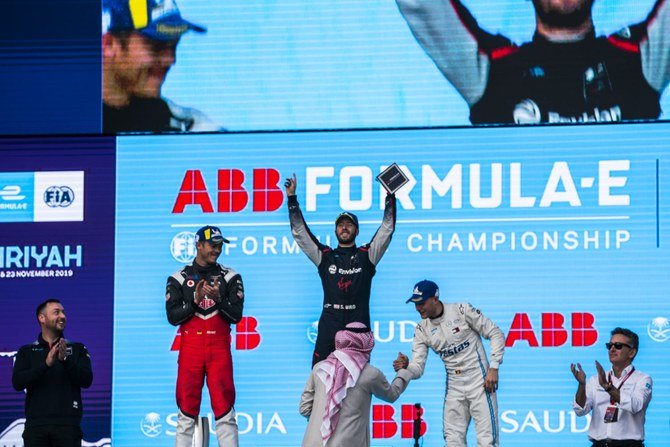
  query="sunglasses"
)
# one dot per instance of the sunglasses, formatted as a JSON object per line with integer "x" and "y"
{"x": 617, "y": 346}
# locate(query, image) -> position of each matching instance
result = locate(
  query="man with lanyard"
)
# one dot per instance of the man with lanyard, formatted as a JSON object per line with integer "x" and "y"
{"x": 346, "y": 271}
{"x": 204, "y": 299}
{"x": 618, "y": 399}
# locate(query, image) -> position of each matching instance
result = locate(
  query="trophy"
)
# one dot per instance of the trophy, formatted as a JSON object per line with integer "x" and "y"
{"x": 392, "y": 178}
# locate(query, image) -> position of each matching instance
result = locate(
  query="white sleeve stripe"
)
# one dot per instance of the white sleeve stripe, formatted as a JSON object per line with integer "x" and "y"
{"x": 178, "y": 277}
{"x": 655, "y": 49}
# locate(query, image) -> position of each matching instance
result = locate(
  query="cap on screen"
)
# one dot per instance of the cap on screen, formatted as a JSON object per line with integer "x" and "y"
{"x": 156, "y": 19}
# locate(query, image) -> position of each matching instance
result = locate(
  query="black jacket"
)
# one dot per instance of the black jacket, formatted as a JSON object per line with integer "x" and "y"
{"x": 53, "y": 394}
{"x": 180, "y": 289}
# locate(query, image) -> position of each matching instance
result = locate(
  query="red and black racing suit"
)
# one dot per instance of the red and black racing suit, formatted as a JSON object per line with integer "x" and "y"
{"x": 613, "y": 78}
{"x": 346, "y": 274}
{"x": 205, "y": 336}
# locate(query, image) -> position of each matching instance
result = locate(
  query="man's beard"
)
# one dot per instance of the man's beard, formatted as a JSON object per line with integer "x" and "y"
{"x": 53, "y": 326}
{"x": 350, "y": 238}
{"x": 558, "y": 19}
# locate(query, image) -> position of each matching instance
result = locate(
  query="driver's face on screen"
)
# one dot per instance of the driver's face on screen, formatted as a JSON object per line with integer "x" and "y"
{"x": 142, "y": 65}
{"x": 564, "y": 6}
{"x": 570, "y": 10}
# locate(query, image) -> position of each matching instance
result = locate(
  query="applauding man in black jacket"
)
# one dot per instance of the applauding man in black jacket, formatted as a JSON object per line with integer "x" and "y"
{"x": 53, "y": 371}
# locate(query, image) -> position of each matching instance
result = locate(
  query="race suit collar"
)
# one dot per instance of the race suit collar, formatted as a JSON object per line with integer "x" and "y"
{"x": 438, "y": 318}
{"x": 543, "y": 42}
{"x": 205, "y": 268}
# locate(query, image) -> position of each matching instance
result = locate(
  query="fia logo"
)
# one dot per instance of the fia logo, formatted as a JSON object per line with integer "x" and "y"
{"x": 58, "y": 196}
{"x": 183, "y": 248}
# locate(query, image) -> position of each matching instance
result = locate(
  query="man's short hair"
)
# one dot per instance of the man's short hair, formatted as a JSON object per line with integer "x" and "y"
{"x": 632, "y": 336}
{"x": 42, "y": 306}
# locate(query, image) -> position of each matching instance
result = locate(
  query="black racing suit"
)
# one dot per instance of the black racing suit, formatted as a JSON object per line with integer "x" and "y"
{"x": 155, "y": 115}
{"x": 346, "y": 274}
{"x": 613, "y": 78}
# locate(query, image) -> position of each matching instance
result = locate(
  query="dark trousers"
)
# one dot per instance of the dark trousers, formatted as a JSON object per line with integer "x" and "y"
{"x": 52, "y": 436}
{"x": 617, "y": 443}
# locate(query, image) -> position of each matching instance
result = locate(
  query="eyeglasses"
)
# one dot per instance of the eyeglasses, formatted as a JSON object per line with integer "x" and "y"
{"x": 617, "y": 346}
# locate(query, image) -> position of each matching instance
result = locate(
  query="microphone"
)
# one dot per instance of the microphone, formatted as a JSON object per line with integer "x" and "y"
{"x": 417, "y": 424}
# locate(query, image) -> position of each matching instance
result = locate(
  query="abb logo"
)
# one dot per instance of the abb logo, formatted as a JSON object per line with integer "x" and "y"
{"x": 246, "y": 335}
{"x": 231, "y": 194}
{"x": 246, "y": 338}
{"x": 553, "y": 330}
{"x": 384, "y": 425}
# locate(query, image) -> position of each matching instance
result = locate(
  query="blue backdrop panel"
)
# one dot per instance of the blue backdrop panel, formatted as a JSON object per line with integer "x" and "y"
{"x": 68, "y": 258}
{"x": 563, "y": 229}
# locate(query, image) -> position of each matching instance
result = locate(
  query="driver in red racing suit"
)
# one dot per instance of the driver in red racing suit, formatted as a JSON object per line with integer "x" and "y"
{"x": 564, "y": 75}
{"x": 205, "y": 298}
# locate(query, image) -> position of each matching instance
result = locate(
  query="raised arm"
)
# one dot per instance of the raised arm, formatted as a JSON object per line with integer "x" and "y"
{"x": 299, "y": 229}
{"x": 584, "y": 396}
{"x": 382, "y": 238}
{"x": 580, "y": 394}
{"x": 451, "y": 37}
{"x": 654, "y": 35}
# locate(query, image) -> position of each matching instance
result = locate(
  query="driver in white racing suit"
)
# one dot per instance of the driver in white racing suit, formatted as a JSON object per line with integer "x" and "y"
{"x": 454, "y": 331}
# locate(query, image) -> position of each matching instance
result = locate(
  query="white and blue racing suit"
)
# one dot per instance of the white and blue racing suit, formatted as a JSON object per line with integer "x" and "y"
{"x": 456, "y": 336}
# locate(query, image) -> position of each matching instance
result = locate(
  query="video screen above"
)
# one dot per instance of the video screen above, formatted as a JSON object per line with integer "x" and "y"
{"x": 201, "y": 66}
{"x": 204, "y": 66}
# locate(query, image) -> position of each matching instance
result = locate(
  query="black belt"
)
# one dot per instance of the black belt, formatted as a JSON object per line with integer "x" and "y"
{"x": 617, "y": 443}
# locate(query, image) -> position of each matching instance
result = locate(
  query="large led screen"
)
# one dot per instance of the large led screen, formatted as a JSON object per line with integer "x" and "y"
{"x": 558, "y": 234}
{"x": 352, "y": 64}
{"x": 315, "y": 64}
{"x": 57, "y": 242}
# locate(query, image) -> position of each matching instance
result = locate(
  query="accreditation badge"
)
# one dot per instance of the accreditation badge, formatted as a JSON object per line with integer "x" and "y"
{"x": 611, "y": 414}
